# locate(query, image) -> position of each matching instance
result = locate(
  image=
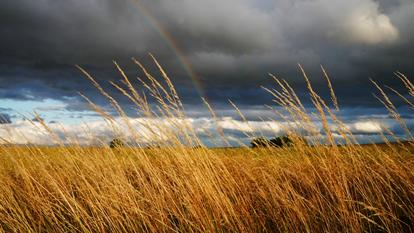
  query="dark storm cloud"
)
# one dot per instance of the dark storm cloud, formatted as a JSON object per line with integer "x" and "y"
{"x": 49, "y": 34}
{"x": 232, "y": 44}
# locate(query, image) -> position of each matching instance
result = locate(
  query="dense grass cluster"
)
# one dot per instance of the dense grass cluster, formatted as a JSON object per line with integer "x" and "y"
{"x": 204, "y": 190}
{"x": 181, "y": 186}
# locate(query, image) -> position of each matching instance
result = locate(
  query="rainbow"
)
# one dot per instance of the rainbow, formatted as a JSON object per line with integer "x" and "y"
{"x": 171, "y": 42}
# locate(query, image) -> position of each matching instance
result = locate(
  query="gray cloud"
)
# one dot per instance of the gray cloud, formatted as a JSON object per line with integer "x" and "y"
{"x": 231, "y": 44}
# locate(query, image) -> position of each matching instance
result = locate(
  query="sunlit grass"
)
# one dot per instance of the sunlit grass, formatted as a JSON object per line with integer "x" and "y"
{"x": 174, "y": 187}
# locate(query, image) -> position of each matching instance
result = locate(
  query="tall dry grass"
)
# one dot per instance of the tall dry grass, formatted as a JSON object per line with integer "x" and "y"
{"x": 175, "y": 187}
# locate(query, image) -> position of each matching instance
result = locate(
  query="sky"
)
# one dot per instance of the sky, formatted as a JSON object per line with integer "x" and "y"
{"x": 220, "y": 50}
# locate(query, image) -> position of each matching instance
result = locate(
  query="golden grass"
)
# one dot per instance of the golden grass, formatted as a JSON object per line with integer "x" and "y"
{"x": 95, "y": 189}
{"x": 174, "y": 188}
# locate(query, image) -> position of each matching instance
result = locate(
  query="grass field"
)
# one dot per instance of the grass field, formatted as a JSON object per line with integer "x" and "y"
{"x": 176, "y": 188}
{"x": 204, "y": 190}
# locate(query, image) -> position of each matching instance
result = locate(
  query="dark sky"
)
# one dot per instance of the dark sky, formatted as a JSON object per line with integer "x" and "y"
{"x": 232, "y": 45}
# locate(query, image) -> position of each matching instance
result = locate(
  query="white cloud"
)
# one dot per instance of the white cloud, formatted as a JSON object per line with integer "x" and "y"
{"x": 250, "y": 126}
{"x": 365, "y": 24}
{"x": 367, "y": 127}
{"x": 145, "y": 130}
{"x": 351, "y": 21}
{"x": 364, "y": 127}
{"x": 94, "y": 132}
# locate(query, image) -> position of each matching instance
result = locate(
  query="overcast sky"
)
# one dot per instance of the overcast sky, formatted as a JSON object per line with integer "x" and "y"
{"x": 231, "y": 45}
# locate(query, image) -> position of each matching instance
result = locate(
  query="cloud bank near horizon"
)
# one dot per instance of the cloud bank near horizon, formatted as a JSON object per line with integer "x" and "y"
{"x": 146, "y": 131}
